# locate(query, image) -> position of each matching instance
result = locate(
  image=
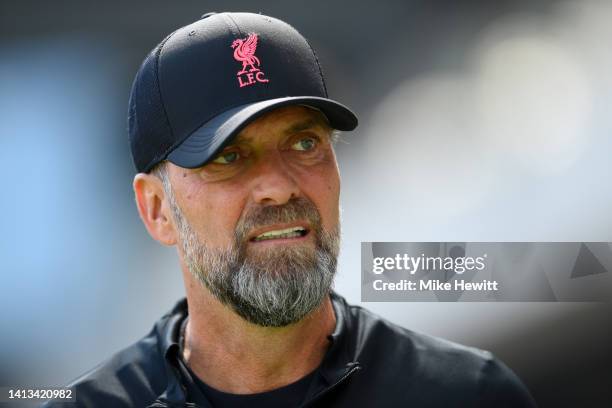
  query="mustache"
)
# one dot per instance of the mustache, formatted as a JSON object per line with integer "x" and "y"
{"x": 298, "y": 208}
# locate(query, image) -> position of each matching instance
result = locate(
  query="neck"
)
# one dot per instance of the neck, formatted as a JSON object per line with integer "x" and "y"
{"x": 232, "y": 355}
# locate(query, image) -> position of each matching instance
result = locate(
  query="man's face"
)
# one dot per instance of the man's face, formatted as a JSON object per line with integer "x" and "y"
{"x": 259, "y": 225}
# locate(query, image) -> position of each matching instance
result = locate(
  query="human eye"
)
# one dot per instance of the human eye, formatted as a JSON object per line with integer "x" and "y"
{"x": 305, "y": 144}
{"x": 228, "y": 157}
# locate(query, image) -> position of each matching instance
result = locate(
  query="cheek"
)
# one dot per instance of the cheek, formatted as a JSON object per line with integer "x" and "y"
{"x": 214, "y": 213}
{"x": 334, "y": 198}
{"x": 227, "y": 212}
{"x": 323, "y": 189}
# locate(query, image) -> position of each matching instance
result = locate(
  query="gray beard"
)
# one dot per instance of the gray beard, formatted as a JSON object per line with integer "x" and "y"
{"x": 276, "y": 287}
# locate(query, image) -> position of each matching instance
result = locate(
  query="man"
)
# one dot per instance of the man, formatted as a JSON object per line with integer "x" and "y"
{"x": 232, "y": 133}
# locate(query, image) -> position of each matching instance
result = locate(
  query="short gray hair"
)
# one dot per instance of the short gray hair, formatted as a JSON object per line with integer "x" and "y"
{"x": 160, "y": 170}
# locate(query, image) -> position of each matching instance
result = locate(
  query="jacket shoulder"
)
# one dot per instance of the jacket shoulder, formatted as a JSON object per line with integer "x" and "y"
{"x": 376, "y": 335}
{"x": 134, "y": 376}
{"x": 432, "y": 364}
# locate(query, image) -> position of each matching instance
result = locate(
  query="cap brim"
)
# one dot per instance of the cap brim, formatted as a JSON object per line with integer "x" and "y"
{"x": 207, "y": 141}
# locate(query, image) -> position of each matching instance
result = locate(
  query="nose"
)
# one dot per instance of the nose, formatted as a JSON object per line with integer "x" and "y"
{"x": 273, "y": 182}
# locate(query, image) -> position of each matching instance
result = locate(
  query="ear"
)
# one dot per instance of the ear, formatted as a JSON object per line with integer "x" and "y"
{"x": 153, "y": 208}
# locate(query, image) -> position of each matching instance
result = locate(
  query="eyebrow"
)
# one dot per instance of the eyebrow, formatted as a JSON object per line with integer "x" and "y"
{"x": 300, "y": 126}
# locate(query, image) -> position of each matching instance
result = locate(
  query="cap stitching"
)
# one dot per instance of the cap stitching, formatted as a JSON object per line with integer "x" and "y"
{"x": 235, "y": 23}
{"x": 318, "y": 65}
{"x": 158, "y": 158}
{"x": 174, "y": 145}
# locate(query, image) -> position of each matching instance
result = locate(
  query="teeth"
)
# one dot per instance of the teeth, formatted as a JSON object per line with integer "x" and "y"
{"x": 284, "y": 233}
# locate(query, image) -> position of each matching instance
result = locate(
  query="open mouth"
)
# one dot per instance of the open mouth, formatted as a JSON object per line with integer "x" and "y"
{"x": 293, "y": 232}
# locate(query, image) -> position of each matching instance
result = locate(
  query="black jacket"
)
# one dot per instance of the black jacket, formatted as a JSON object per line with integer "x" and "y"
{"x": 370, "y": 363}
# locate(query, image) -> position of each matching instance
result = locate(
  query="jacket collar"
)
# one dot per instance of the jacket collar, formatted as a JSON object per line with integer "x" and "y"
{"x": 338, "y": 363}
{"x": 167, "y": 332}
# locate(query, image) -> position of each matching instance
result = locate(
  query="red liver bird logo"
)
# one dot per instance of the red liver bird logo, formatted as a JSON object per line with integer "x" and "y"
{"x": 244, "y": 51}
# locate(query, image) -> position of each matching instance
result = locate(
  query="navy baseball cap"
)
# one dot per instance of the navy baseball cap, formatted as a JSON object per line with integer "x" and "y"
{"x": 205, "y": 82}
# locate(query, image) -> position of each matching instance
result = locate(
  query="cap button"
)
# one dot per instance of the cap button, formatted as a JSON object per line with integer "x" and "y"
{"x": 207, "y": 15}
